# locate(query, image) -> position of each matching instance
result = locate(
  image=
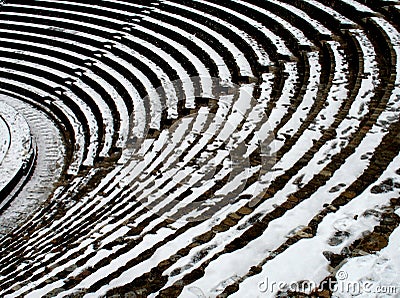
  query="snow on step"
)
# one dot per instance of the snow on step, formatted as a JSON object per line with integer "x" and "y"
{"x": 5, "y": 138}
{"x": 197, "y": 128}
{"x": 181, "y": 170}
{"x": 204, "y": 74}
{"x": 127, "y": 4}
{"x": 299, "y": 35}
{"x": 134, "y": 178}
{"x": 189, "y": 262}
{"x": 195, "y": 178}
{"x": 98, "y": 202}
{"x": 351, "y": 123}
{"x": 337, "y": 95}
{"x": 358, "y": 6}
{"x": 78, "y": 132}
{"x": 239, "y": 107}
{"x": 290, "y": 128}
{"x": 313, "y": 265}
{"x": 82, "y": 14}
{"x": 20, "y": 145}
{"x": 73, "y": 168}
{"x": 124, "y": 118}
{"x": 171, "y": 167}
{"x": 93, "y": 145}
{"x": 370, "y": 79}
{"x": 390, "y": 115}
{"x": 122, "y": 110}
{"x": 391, "y": 31}
{"x": 347, "y": 173}
{"x": 263, "y": 57}
{"x": 264, "y": 129}
{"x": 301, "y": 14}
{"x": 155, "y": 100}
{"x": 330, "y": 11}
{"x": 288, "y": 92}
{"x": 182, "y": 73}
{"x": 275, "y": 235}
{"x": 224, "y": 103}
{"x": 148, "y": 241}
{"x": 276, "y": 40}
{"x": 281, "y": 107}
{"x": 381, "y": 270}
{"x": 223, "y": 71}
{"x": 215, "y": 275}
{"x": 394, "y": 37}
{"x": 100, "y": 7}
{"x": 84, "y": 107}
{"x": 61, "y": 20}
{"x": 241, "y": 61}
{"x": 49, "y": 162}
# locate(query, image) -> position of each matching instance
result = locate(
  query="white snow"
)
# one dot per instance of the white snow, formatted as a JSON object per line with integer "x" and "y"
{"x": 5, "y": 139}
{"x": 48, "y": 163}
{"x": 330, "y": 11}
{"x": 312, "y": 265}
{"x": 316, "y": 24}
{"x": 223, "y": 71}
{"x": 139, "y": 109}
{"x": 239, "y": 56}
{"x": 388, "y": 28}
{"x": 160, "y": 170}
{"x": 309, "y": 98}
{"x": 20, "y": 148}
{"x": 298, "y": 34}
{"x": 263, "y": 57}
{"x": 275, "y": 40}
{"x": 358, "y": 6}
{"x": 377, "y": 275}
{"x": 200, "y": 67}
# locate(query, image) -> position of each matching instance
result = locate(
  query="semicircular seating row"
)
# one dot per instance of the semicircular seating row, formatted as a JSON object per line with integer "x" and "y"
{"x": 208, "y": 143}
